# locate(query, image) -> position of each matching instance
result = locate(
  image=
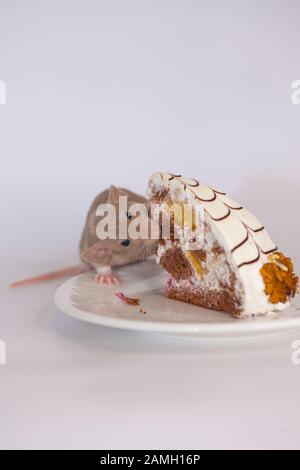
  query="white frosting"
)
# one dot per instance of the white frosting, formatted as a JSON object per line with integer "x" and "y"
{"x": 237, "y": 231}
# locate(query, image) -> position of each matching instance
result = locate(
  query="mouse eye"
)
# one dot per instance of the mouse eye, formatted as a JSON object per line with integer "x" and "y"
{"x": 125, "y": 242}
{"x": 129, "y": 216}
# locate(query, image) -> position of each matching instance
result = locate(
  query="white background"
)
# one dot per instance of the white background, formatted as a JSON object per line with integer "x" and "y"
{"x": 102, "y": 92}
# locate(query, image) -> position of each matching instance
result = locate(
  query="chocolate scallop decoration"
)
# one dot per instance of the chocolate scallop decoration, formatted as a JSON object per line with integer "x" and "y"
{"x": 191, "y": 182}
{"x": 250, "y": 220}
{"x": 203, "y": 193}
{"x": 248, "y": 253}
{"x": 171, "y": 176}
{"x": 218, "y": 192}
{"x": 240, "y": 244}
{"x": 231, "y": 203}
{"x": 264, "y": 241}
{"x": 232, "y": 231}
{"x": 216, "y": 209}
{"x": 250, "y": 261}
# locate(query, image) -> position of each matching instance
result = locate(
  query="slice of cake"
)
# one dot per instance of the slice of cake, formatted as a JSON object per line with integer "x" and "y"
{"x": 236, "y": 268}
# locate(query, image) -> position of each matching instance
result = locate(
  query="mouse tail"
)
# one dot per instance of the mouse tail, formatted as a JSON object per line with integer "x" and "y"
{"x": 66, "y": 272}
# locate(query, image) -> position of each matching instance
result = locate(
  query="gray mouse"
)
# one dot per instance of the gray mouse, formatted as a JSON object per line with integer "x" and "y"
{"x": 102, "y": 255}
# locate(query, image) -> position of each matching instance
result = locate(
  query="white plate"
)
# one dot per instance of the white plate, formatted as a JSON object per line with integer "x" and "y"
{"x": 82, "y": 298}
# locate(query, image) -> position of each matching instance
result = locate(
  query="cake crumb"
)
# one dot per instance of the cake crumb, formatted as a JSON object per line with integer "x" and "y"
{"x": 127, "y": 300}
{"x": 142, "y": 311}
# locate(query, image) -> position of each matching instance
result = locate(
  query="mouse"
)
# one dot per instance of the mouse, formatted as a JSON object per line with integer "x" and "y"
{"x": 101, "y": 255}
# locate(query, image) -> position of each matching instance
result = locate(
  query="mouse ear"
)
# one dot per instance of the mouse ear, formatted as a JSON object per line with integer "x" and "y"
{"x": 114, "y": 194}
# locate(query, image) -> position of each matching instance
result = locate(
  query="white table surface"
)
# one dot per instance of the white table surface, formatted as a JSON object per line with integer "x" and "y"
{"x": 109, "y": 92}
{"x": 76, "y": 385}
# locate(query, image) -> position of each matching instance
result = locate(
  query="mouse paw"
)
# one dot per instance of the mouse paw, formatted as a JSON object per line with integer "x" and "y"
{"x": 106, "y": 279}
